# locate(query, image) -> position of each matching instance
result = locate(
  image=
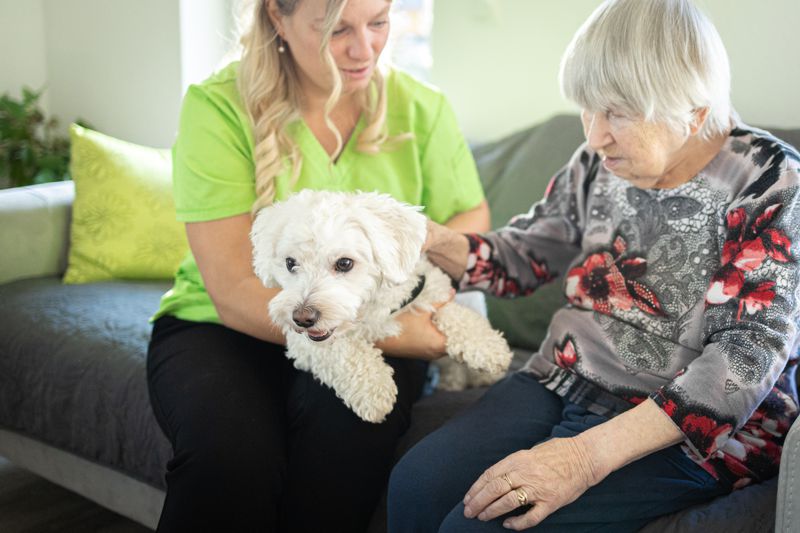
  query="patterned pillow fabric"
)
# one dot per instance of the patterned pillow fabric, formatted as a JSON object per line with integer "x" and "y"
{"x": 123, "y": 216}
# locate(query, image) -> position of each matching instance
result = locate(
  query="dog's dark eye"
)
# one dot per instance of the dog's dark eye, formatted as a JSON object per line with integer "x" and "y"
{"x": 291, "y": 264}
{"x": 344, "y": 264}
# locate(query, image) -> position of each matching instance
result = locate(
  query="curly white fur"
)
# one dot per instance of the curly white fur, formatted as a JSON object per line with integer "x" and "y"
{"x": 346, "y": 264}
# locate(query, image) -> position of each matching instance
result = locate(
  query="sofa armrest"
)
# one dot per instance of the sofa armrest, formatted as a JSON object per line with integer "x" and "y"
{"x": 34, "y": 230}
{"x": 787, "y": 512}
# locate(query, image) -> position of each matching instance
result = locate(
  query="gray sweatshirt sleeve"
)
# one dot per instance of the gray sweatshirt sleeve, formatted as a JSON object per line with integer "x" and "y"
{"x": 535, "y": 247}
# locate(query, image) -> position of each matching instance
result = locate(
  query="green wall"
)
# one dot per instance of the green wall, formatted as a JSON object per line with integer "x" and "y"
{"x": 497, "y": 60}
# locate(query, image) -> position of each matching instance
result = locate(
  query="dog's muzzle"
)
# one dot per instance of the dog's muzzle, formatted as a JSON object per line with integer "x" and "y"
{"x": 305, "y": 318}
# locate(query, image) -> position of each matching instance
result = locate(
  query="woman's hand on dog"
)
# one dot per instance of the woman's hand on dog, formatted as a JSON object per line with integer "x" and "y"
{"x": 447, "y": 249}
{"x": 419, "y": 339}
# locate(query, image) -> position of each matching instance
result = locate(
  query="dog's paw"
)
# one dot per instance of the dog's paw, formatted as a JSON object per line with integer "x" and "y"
{"x": 375, "y": 400}
{"x": 363, "y": 380}
{"x": 471, "y": 339}
{"x": 455, "y": 376}
{"x": 480, "y": 378}
{"x": 491, "y": 354}
{"x": 452, "y": 375}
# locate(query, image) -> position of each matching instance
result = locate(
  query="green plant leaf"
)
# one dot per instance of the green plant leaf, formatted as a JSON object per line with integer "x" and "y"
{"x": 45, "y": 175}
{"x": 31, "y": 150}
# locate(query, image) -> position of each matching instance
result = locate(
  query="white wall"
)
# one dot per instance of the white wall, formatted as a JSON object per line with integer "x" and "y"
{"x": 115, "y": 64}
{"x": 121, "y": 65}
{"x": 206, "y": 36}
{"x": 497, "y": 60}
{"x": 22, "y": 60}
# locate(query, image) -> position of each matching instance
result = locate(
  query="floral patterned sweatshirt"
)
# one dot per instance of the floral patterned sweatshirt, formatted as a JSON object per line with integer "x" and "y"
{"x": 688, "y": 296}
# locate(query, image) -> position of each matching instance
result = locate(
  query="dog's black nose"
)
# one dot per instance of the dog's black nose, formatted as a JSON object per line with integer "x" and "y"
{"x": 305, "y": 317}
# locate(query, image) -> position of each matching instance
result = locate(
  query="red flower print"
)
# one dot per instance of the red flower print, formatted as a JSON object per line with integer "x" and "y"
{"x": 541, "y": 271}
{"x": 507, "y": 286}
{"x": 750, "y": 255}
{"x": 695, "y": 423}
{"x": 606, "y": 280}
{"x": 599, "y": 284}
{"x": 669, "y": 407}
{"x": 776, "y": 244}
{"x": 620, "y": 246}
{"x": 550, "y": 186}
{"x": 486, "y": 272}
{"x": 482, "y": 270}
{"x": 744, "y": 251}
{"x": 766, "y": 217}
{"x": 757, "y": 298}
{"x": 566, "y": 355}
{"x": 705, "y": 431}
{"x": 729, "y": 250}
{"x": 736, "y": 466}
{"x": 736, "y": 219}
{"x": 727, "y": 283}
{"x": 644, "y": 298}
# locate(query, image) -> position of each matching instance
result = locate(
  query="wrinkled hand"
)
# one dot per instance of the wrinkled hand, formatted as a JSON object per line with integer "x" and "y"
{"x": 548, "y": 476}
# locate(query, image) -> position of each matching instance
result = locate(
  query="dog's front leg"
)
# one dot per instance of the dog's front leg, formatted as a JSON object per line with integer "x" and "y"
{"x": 363, "y": 380}
{"x": 471, "y": 339}
{"x": 354, "y": 369}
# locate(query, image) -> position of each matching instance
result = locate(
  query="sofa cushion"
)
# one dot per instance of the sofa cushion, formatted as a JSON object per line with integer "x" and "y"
{"x": 72, "y": 371}
{"x": 34, "y": 230}
{"x": 123, "y": 217}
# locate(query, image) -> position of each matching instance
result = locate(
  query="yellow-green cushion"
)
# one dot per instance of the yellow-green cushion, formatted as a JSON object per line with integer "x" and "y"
{"x": 123, "y": 217}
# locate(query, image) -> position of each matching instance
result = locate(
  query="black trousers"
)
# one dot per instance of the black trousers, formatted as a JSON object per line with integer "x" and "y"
{"x": 259, "y": 445}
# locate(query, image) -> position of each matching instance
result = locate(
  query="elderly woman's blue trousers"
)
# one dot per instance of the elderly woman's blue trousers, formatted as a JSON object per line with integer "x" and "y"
{"x": 428, "y": 484}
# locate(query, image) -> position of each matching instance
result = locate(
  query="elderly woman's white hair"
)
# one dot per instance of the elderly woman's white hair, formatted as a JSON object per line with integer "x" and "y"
{"x": 656, "y": 59}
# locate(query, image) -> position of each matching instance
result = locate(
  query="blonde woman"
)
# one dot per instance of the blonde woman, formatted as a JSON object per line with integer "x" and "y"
{"x": 259, "y": 445}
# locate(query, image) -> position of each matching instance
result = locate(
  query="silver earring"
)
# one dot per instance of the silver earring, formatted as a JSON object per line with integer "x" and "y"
{"x": 281, "y": 48}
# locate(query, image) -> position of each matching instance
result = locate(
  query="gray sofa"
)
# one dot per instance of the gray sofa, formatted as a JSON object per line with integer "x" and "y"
{"x": 73, "y": 398}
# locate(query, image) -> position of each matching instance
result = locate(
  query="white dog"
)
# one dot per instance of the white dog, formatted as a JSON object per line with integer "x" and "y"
{"x": 347, "y": 263}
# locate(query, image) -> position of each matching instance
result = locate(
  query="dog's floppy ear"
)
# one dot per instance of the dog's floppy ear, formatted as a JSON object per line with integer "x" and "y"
{"x": 268, "y": 225}
{"x": 396, "y": 232}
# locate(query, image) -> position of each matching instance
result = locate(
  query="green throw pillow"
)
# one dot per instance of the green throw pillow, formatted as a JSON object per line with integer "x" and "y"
{"x": 123, "y": 216}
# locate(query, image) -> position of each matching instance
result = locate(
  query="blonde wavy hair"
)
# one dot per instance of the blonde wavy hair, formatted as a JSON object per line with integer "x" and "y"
{"x": 269, "y": 86}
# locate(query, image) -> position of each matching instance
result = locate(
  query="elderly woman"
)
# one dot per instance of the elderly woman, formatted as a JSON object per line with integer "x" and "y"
{"x": 668, "y": 378}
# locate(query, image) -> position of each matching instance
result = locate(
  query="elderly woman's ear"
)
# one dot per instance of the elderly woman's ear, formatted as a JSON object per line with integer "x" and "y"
{"x": 699, "y": 116}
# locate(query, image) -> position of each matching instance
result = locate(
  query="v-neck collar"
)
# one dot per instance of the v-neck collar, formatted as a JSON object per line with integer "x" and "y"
{"x": 318, "y": 157}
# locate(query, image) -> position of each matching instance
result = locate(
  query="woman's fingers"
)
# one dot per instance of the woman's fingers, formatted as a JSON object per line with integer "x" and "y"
{"x": 532, "y": 518}
{"x": 485, "y": 496}
{"x": 493, "y": 484}
{"x": 508, "y": 502}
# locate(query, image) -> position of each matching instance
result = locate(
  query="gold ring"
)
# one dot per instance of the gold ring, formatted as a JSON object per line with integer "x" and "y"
{"x": 505, "y": 476}
{"x": 522, "y": 496}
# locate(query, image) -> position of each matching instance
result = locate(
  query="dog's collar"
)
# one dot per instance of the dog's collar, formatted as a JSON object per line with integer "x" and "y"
{"x": 413, "y": 295}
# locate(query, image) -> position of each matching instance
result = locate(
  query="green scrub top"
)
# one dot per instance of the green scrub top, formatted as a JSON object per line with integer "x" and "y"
{"x": 214, "y": 171}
